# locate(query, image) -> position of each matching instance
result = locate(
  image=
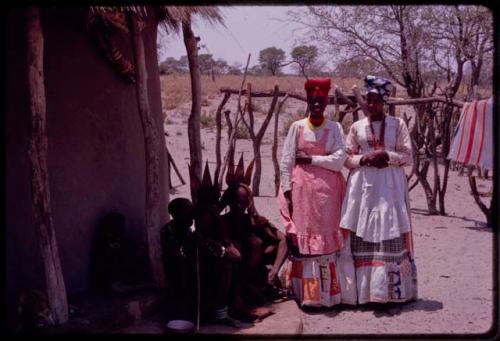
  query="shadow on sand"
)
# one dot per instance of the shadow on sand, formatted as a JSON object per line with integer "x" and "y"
{"x": 378, "y": 309}
{"x": 480, "y": 226}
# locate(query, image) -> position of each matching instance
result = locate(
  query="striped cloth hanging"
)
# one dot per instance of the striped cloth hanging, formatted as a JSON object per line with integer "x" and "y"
{"x": 472, "y": 143}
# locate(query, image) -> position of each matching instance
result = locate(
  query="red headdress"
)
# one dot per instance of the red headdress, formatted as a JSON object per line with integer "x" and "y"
{"x": 317, "y": 86}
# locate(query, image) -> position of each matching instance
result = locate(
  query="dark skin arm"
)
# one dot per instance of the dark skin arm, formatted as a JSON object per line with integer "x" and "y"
{"x": 278, "y": 237}
{"x": 301, "y": 158}
{"x": 224, "y": 249}
{"x": 281, "y": 256}
{"x": 288, "y": 198}
{"x": 291, "y": 237}
{"x": 378, "y": 158}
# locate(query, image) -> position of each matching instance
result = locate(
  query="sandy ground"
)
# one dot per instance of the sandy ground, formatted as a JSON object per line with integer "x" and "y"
{"x": 454, "y": 253}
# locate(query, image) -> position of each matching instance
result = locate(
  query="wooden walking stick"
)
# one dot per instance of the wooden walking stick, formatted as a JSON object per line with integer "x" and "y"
{"x": 197, "y": 289}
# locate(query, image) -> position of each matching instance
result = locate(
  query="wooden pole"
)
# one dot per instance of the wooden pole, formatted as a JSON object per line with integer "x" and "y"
{"x": 275, "y": 146}
{"x": 350, "y": 99}
{"x": 232, "y": 137}
{"x": 191, "y": 43}
{"x": 198, "y": 289}
{"x": 152, "y": 150}
{"x": 172, "y": 162}
{"x": 218, "y": 121}
{"x": 257, "y": 141}
{"x": 488, "y": 211}
{"x": 38, "y": 154}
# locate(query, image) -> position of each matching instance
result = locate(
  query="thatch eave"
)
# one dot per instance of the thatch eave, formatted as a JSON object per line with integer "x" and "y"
{"x": 170, "y": 17}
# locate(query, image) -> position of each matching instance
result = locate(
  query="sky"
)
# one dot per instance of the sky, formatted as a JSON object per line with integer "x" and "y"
{"x": 249, "y": 29}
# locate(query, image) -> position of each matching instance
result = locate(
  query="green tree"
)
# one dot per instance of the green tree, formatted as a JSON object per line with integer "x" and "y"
{"x": 305, "y": 56}
{"x": 358, "y": 67}
{"x": 234, "y": 69}
{"x": 256, "y": 70}
{"x": 220, "y": 66}
{"x": 172, "y": 66}
{"x": 271, "y": 59}
{"x": 184, "y": 63}
{"x": 206, "y": 62}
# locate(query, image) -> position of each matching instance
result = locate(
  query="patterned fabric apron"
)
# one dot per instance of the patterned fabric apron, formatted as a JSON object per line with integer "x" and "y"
{"x": 317, "y": 195}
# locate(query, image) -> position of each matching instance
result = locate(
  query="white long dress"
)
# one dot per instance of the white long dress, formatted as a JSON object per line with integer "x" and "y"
{"x": 376, "y": 211}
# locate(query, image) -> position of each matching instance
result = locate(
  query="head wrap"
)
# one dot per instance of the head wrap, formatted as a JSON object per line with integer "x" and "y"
{"x": 379, "y": 86}
{"x": 317, "y": 86}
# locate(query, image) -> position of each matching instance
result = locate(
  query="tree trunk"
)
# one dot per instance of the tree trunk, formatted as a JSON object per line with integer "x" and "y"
{"x": 258, "y": 168}
{"x": 191, "y": 43}
{"x": 153, "y": 149}
{"x": 38, "y": 153}
{"x": 232, "y": 131}
{"x": 257, "y": 140}
{"x": 442, "y": 191}
{"x": 392, "y": 108}
{"x": 218, "y": 121}
{"x": 230, "y": 147}
{"x": 488, "y": 211}
{"x": 434, "y": 157}
{"x": 275, "y": 147}
{"x": 422, "y": 178}
{"x": 446, "y": 127}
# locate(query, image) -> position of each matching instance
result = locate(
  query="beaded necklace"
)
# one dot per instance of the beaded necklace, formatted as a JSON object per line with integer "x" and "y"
{"x": 378, "y": 143}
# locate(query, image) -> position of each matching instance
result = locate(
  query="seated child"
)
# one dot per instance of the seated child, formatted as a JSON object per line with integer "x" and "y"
{"x": 178, "y": 253}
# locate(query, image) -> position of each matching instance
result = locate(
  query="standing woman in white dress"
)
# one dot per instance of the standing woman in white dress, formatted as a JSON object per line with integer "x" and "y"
{"x": 376, "y": 207}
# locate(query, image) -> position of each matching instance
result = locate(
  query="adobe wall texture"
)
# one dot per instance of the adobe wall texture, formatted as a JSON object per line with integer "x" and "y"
{"x": 96, "y": 153}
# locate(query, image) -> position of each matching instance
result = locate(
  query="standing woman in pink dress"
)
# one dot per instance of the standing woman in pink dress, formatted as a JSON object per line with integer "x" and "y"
{"x": 321, "y": 271}
{"x": 376, "y": 208}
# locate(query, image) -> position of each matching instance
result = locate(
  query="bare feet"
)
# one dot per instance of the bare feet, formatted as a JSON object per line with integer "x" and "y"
{"x": 261, "y": 313}
{"x": 229, "y": 321}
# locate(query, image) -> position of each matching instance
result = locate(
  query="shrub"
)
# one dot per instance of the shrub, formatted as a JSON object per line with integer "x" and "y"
{"x": 298, "y": 116}
{"x": 205, "y": 102}
{"x": 207, "y": 121}
{"x": 242, "y": 132}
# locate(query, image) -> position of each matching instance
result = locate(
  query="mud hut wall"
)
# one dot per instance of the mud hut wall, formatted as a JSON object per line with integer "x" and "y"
{"x": 96, "y": 148}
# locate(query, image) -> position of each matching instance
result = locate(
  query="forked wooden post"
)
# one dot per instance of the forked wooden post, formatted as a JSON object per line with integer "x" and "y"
{"x": 40, "y": 187}
{"x": 152, "y": 146}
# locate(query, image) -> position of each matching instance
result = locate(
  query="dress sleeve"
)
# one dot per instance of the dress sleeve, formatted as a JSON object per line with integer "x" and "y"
{"x": 337, "y": 155}
{"x": 352, "y": 149}
{"x": 402, "y": 156}
{"x": 288, "y": 158}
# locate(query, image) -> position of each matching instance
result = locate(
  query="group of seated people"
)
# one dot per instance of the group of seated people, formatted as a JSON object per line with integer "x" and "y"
{"x": 225, "y": 265}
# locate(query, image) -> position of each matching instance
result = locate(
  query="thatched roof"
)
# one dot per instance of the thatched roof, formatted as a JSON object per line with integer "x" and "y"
{"x": 170, "y": 16}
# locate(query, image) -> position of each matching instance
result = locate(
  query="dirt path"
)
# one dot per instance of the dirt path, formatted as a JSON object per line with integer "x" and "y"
{"x": 453, "y": 253}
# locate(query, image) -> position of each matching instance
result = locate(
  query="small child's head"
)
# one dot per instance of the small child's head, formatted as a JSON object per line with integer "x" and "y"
{"x": 181, "y": 210}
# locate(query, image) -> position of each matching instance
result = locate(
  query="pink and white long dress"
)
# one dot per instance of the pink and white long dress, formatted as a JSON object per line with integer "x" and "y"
{"x": 323, "y": 273}
{"x": 376, "y": 211}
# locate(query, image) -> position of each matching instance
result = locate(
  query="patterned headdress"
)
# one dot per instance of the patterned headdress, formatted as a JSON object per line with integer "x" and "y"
{"x": 322, "y": 85}
{"x": 379, "y": 86}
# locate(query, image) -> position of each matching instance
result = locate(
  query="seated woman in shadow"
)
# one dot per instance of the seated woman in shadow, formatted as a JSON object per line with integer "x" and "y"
{"x": 262, "y": 246}
{"x": 109, "y": 255}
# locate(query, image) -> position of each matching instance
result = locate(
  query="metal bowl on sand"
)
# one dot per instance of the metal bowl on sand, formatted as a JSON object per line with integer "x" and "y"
{"x": 180, "y": 326}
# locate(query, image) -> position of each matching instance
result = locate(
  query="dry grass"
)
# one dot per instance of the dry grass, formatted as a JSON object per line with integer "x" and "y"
{"x": 176, "y": 89}
{"x": 207, "y": 120}
{"x": 299, "y": 114}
